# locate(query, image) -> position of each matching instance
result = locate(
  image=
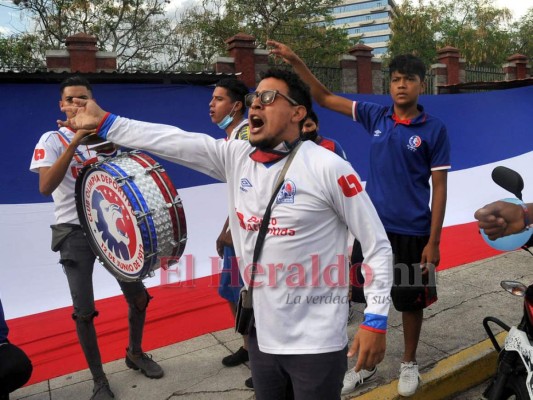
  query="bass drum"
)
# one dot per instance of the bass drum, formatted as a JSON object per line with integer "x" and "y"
{"x": 131, "y": 214}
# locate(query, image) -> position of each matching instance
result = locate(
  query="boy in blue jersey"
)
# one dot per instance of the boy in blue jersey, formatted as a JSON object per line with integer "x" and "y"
{"x": 408, "y": 148}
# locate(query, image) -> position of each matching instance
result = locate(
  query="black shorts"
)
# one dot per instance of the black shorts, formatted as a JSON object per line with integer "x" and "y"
{"x": 410, "y": 290}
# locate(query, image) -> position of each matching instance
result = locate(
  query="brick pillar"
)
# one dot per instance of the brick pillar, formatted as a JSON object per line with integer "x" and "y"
{"x": 241, "y": 47}
{"x": 516, "y": 68}
{"x": 82, "y": 51}
{"x": 363, "y": 59}
{"x": 225, "y": 65}
{"x": 450, "y": 57}
{"x": 261, "y": 62}
{"x": 377, "y": 76}
{"x": 440, "y": 76}
{"x": 348, "y": 74}
{"x": 81, "y": 56}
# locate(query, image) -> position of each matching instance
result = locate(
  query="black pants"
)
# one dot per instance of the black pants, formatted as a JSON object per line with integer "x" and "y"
{"x": 15, "y": 369}
{"x": 78, "y": 260}
{"x": 296, "y": 376}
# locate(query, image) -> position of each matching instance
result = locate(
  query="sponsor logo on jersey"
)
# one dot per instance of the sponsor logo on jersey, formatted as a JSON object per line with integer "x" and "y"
{"x": 286, "y": 193}
{"x": 254, "y": 224}
{"x": 245, "y": 185}
{"x": 350, "y": 185}
{"x": 112, "y": 223}
{"x": 414, "y": 142}
{"x": 38, "y": 154}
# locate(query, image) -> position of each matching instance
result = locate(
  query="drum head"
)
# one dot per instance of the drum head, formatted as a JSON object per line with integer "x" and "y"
{"x": 129, "y": 223}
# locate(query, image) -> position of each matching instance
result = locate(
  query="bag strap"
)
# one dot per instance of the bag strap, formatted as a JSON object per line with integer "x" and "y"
{"x": 248, "y": 302}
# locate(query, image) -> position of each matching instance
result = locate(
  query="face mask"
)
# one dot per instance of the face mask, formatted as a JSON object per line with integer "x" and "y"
{"x": 228, "y": 119}
{"x": 311, "y": 135}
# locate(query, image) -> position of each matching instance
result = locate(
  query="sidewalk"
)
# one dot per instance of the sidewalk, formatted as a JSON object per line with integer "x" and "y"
{"x": 453, "y": 353}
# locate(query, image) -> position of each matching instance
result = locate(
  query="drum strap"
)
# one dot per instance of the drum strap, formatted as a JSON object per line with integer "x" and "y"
{"x": 65, "y": 141}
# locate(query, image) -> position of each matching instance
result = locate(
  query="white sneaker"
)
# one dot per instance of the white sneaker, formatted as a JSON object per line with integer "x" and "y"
{"x": 353, "y": 379}
{"x": 409, "y": 379}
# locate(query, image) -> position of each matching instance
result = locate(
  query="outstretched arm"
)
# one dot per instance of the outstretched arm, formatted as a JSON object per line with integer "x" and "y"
{"x": 320, "y": 93}
{"x": 87, "y": 115}
{"x": 502, "y": 218}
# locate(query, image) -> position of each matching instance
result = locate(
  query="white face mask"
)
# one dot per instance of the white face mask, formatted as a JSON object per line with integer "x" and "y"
{"x": 228, "y": 119}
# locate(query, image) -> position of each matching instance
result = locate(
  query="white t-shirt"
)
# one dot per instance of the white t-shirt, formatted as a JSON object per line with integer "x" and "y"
{"x": 49, "y": 148}
{"x": 301, "y": 306}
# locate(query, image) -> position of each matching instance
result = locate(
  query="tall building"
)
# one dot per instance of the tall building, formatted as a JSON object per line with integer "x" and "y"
{"x": 368, "y": 20}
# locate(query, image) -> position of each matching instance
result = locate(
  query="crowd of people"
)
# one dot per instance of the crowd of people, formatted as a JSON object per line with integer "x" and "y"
{"x": 296, "y": 349}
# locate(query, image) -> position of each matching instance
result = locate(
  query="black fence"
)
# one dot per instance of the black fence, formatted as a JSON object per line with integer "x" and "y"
{"x": 483, "y": 74}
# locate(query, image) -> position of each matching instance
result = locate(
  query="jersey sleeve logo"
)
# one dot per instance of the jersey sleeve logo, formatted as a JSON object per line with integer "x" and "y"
{"x": 350, "y": 185}
{"x": 38, "y": 154}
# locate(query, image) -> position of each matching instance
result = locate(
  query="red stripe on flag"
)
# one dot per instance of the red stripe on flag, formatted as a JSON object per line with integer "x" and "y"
{"x": 175, "y": 314}
{"x": 462, "y": 244}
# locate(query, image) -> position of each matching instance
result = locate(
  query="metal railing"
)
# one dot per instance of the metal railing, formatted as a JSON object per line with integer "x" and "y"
{"x": 483, "y": 74}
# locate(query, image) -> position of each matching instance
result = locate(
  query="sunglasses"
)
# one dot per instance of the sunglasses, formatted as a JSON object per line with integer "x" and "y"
{"x": 266, "y": 97}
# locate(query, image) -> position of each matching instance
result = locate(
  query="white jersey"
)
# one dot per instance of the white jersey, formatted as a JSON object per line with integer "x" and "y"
{"x": 49, "y": 148}
{"x": 241, "y": 131}
{"x": 300, "y": 297}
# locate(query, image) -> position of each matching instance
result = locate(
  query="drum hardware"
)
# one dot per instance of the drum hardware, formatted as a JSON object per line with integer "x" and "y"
{"x": 141, "y": 215}
{"x": 181, "y": 241}
{"x": 131, "y": 214}
{"x": 176, "y": 203}
{"x": 156, "y": 167}
{"x": 121, "y": 179}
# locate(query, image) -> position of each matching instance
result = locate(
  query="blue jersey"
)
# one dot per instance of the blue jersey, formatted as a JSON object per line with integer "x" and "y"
{"x": 331, "y": 145}
{"x": 403, "y": 153}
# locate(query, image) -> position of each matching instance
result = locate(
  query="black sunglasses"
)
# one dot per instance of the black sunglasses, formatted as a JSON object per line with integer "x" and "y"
{"x": 267, "y": 97}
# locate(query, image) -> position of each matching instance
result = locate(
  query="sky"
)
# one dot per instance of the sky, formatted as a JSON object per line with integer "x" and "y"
{"x": 10, "y": 20}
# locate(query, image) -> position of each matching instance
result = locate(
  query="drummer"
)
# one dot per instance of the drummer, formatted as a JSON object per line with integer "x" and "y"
{"x": 57, "y": 158}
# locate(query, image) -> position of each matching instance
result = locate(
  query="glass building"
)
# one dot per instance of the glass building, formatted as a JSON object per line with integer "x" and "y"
{"x": 367, "y": 20}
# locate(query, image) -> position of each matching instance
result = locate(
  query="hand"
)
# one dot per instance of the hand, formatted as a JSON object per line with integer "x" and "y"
{"x": 86, "y": 115}
{"x": 278, "y": 49}
{"x": 370, "y": 347}
{"x": 80, "y": 134}
{"x": 224, "y": 239}
{"x": 500, "y": 219}
{"x": 430, "y": 256}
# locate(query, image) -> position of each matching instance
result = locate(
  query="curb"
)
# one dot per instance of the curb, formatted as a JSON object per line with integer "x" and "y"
{"x": 448, "y": 377}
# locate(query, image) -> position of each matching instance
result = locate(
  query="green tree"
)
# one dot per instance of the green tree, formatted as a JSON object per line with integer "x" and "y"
{"x": 481, "y": 31}
{"x": 18, "y": 52}
{"x": 522, "y": 36}
{"x": 306, "y": 25}
{"x": 414, "y": 31}
{"x": 135, "y": 29}
{"x": 478, "y": 29}
{"x": 205, "y": 27}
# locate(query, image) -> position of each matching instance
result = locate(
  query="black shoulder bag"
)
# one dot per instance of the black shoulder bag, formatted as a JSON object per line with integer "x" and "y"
{"x": 244, "y": 317}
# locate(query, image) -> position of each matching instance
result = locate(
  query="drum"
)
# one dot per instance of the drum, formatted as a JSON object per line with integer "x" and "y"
{"x": 131, "y": 214}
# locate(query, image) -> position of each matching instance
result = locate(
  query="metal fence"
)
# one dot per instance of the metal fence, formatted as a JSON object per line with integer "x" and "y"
{"x": 329, "y": 76}
{"x": 483, "y": 74}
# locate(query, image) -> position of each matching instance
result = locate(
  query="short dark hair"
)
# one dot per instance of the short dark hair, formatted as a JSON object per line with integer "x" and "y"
{"x": 237, "y": 90}
{"x": 298, "y": 90}
{"x": 312, "y": 115}
{"x": 75, "y": 81}
{"x": 407, "y": 64}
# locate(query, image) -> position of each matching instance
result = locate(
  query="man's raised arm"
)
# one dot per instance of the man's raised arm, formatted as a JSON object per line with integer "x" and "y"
{"x": 320, "y": 93}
